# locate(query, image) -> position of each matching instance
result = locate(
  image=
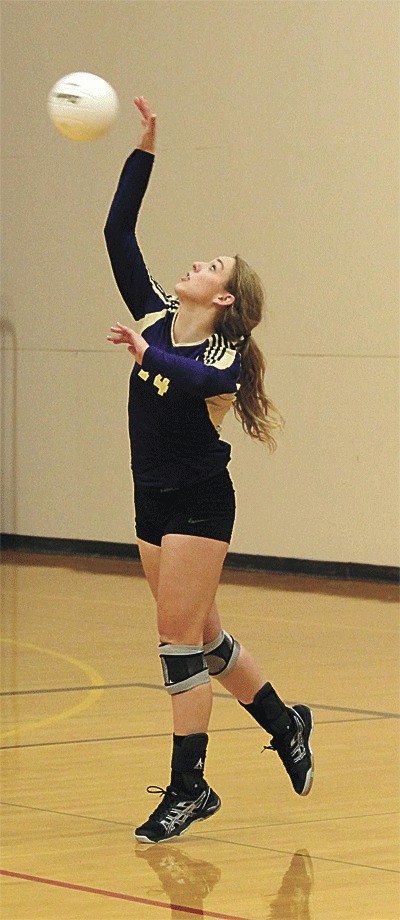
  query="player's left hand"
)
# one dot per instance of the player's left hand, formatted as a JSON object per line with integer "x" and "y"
{"x": 122, "y": 335}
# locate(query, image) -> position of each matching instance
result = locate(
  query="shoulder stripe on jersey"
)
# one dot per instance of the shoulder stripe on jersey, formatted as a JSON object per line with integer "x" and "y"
{"x": 222, "y": 348}
{"x": 211, "y": 349}
{"x": 219, "y": 348}
{"x": 225, "y": 360}
{"x": 166, "y": 298}
{"x": 219, "y": 352}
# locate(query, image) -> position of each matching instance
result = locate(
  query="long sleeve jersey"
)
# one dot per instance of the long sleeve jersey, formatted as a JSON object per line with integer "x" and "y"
{"x": 179, "y": 395}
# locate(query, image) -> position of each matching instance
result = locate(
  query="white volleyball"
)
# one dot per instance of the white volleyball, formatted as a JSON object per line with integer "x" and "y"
{"x": 82, "y": 106}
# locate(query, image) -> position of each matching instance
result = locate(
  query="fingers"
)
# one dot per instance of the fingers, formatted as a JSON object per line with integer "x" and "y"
{"x": 122, "y": 335}
{"x": 144, "y": 107}
{"x": 120, "y": 328}
{"x": 124, "y": 330}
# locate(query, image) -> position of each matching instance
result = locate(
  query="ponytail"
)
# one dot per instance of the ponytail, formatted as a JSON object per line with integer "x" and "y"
{"x": 252, "y": 407}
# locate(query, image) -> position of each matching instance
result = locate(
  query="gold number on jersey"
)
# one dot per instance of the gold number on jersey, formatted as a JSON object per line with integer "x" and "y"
{"x": 161, "y": 384}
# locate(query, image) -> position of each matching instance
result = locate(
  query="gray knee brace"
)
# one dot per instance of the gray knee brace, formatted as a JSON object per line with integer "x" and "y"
{"x": 183, "y": 667}
{"x": 221, "y": 654}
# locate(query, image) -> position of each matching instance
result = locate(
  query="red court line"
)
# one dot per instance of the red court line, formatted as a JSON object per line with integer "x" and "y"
{"x": 123, "y": 897}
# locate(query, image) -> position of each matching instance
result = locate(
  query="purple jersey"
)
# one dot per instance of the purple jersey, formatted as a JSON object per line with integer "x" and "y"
{"x": 179, "y": 395}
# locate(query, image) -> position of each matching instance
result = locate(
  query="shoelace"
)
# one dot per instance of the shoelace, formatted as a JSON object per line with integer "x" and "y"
{"x": 156, "y": 790}
{"x": 297, "y": 752}
{"x": 167, "y": 798}
{"x": 177, "y": 811}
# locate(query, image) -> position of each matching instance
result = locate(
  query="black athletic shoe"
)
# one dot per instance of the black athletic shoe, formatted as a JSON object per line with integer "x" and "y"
{"x": 177, "y": 811}
{"x": 295, "y": 752}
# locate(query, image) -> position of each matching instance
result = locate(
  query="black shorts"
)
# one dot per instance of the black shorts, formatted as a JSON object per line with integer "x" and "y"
{"x": 203, "y": 509}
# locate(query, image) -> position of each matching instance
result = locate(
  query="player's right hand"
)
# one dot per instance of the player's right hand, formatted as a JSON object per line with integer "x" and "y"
{"x": 147, "y": 139}
{"x": 123, "y": 335}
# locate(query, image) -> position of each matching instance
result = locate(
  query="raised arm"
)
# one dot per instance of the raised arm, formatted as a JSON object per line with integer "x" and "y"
{"x": 134, "y": 282}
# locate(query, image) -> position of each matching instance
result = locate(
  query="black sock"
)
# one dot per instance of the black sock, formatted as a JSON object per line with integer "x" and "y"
{"x": 270, "y": 712}
{"x": 187, "y": 765}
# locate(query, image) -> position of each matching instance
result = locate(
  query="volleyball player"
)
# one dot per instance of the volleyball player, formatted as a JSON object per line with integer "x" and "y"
{"x": 194, "y": 359}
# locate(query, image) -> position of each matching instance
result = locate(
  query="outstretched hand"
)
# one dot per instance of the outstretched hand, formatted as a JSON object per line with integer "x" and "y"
{"x": 147, "y": 140}
{"x": 122, "y": 335}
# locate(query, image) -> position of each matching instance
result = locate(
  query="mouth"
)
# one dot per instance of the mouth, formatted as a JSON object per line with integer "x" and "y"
{"x": 186, "y": 277}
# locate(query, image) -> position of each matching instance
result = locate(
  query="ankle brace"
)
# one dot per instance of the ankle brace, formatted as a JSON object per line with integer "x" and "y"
{"x": 269, "y": 711}
{"x": 188, "y": 759}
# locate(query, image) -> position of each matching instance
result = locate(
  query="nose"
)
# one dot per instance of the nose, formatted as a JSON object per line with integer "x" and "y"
{"x": 196, "y": 266}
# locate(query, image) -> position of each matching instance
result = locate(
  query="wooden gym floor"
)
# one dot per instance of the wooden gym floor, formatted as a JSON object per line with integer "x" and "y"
{"x": 86, "y": 727}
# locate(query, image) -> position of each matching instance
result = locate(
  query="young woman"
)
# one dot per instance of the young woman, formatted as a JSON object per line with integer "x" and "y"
{"x": 194, "y": 359}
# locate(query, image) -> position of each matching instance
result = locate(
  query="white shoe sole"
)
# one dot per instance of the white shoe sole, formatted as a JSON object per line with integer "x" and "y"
{"x": 143, "y": 839}
{"x": 310, "y": 774}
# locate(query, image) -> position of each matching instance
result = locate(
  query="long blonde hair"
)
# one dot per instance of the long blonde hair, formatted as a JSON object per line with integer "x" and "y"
{"x": 253, "y": 408}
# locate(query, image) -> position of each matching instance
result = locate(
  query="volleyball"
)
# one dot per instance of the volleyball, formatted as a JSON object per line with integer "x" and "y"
{"x": 82, "y": 106}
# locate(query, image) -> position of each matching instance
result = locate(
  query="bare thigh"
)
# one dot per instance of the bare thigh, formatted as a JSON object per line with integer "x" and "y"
{"x": 190, "y": 570}
{"x": 183, "y": 576}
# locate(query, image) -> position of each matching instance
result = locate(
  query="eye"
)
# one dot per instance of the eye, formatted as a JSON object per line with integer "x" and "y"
{"x": 213, "y": 267}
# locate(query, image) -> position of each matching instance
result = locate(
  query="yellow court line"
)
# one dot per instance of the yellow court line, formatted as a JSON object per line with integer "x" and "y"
{"x": 91, "y": 697}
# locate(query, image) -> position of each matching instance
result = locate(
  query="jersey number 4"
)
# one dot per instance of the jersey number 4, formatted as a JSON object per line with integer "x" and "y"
{"x": 161, "y": 383}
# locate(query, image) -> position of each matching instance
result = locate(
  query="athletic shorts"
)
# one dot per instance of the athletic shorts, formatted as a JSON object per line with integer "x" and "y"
{"x": 203, "y": 509}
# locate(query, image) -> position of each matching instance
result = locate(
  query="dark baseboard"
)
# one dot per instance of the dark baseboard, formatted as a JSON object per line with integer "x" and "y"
{"x": 239, "y": 561}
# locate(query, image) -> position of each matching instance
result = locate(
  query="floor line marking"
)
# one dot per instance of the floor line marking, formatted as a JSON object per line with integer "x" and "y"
{"x": 94, "y": 692}
{"x": 331, "y": 859}
{"x": 242, "y": 728}
{"x": 123, "y": 897}
{"x": 71, "y": 814}
{"x": 160, "y": 687}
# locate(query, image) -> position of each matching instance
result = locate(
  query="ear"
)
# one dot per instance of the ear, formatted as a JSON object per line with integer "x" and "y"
{"x": 224, "y": 300}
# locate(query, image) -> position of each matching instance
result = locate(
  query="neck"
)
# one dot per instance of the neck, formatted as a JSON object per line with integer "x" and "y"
{"x": 193, "y": 324}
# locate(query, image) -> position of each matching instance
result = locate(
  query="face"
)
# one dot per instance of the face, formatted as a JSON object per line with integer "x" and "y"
{"x": 206, "y": 283}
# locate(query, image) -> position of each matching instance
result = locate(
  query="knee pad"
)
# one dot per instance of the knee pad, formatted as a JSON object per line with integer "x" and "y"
{"x": 183, "y": 667}
{"x": 221, "y": 654}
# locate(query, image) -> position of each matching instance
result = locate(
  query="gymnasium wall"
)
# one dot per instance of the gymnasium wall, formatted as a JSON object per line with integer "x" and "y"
{"x": 278, "y": 139}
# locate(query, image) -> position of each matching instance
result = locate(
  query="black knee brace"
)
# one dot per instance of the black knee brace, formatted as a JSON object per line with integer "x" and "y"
{"x": 221, "y": 654}
{"x": 183, "y": 667}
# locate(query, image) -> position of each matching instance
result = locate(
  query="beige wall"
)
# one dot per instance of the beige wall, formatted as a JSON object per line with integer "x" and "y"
{"x": 278, "y": 132}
